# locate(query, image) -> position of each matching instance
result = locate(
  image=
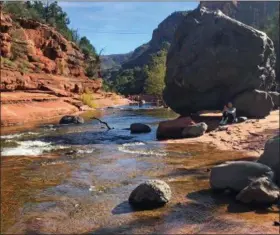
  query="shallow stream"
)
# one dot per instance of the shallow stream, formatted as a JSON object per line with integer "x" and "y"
{"x": 77, "y": 179}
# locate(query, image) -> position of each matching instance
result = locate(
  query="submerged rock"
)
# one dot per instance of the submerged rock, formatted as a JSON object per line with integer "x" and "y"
{"x": 139, "y": 128}
{"x": 195, "y": 130}
{"x": 70, "y": 119}
{"x": 271, "y": 157}
{"x": 275, "y": 98}
{"x": 212, "y": 59}
{"x": 261, "y": 190}
{"x": 253, "y": 104}
{"x": 173, "y": 129}
{"x": 237, "y": 175}
{"x": 150, "y": 194}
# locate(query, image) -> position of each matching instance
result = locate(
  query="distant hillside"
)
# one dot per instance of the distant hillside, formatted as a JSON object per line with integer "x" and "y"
{"x": 162, "y": 37}
{"x": 114, "y": 61}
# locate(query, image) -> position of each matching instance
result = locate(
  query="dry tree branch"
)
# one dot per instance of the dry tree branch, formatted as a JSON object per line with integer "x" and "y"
{"x": 105, "y": 123}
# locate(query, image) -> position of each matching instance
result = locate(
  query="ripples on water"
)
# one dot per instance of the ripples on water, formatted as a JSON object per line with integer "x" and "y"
{"x": 77, "y": 178}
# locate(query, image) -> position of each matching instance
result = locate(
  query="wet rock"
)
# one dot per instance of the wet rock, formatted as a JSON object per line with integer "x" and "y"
{"x": 256, "y": 103}
{"x": 195, "y": 130}
{"x": 271, "y": 157}
{"x": 139, "y": 128}
{"x": 261, "y": 190}
{"x": 237, "y": 175}
{"x": 212, "y": 59}
{"x": 242, "y": 119}
{"x": 70, "y": 119}
{"x": 173, "y": 129}
{"x": 275, "y": 98}
{"x": 150, "y": 194}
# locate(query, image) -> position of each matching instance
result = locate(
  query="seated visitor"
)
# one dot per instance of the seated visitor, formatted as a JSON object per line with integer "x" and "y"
{"x": 229, "y": 114}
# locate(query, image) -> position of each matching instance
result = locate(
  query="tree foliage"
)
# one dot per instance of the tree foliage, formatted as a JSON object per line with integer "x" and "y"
{"x": 155, "y": 70}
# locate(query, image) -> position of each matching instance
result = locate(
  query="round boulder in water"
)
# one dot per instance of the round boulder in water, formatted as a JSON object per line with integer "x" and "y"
{"x": 71, "y": 119}
{"x": 150, "y": 194}
{"x": 139, "y": 128}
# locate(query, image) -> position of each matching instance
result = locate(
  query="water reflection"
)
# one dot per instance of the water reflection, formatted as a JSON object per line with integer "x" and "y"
{"x": 84, "y": 187}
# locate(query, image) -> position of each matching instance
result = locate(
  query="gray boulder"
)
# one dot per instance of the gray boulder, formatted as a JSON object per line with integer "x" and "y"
{"x": 150, "y": 194}
{"x": 212, "y": 59}
{"x": 195, "y": 130}
{"x": 261, "y": 190}
{"x": 139, "y": 128}
{"x": 275, "y": 98}
{"x": 237, "y": 175}
{"x": 242, "y": 119}
{"x": 70, "y": 119}
{"x": 271, "y": 157}
{"x": 257, "y": 104}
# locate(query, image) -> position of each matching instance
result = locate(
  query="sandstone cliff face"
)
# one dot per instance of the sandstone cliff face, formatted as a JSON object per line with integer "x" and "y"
{"x": 42, "y": 74}
{"x": 29, "y": 47}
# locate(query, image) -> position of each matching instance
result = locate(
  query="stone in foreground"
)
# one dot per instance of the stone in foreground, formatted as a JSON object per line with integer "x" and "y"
{"x": 138, "y": 128}
{"x": 271, "y": 157}
{"x": 261, "y": 190}
{"x": 256, "y": 104}
{"x": 150, "y": 194}
{"x": 212, "y": 59}
{"x": 70, "y": 119}
{"x": 237, "y": 175}
{"x": 195, "y": 130}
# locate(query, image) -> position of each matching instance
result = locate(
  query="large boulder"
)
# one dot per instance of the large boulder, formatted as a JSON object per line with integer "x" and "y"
{"x": 271, "y": 157}
{"x": 71, "y": 119}
{"x": 212, "y": 59}
{"x": 237, "y": 175}
{"x": 137, "y": 128}
{"x": 275, "y": 98}
{"x": 150, "y": 194}
{"x": 261, "y": 190}
{"x": 257, "y": 104}
{"x": 173, "y": 129}
{"x": 195, "y": 130}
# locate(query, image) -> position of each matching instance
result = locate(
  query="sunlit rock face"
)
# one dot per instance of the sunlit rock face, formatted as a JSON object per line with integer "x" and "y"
{"x": 212, "y": 59}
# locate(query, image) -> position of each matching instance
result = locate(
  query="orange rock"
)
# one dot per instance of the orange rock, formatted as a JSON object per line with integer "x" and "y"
{"x": 172, "y": 129}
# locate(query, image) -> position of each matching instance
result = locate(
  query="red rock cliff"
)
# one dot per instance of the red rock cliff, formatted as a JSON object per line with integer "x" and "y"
{"x": 42, "y": 74}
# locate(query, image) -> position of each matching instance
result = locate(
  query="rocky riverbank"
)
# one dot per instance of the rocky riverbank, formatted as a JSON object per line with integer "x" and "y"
{"x": 249, "y": 136}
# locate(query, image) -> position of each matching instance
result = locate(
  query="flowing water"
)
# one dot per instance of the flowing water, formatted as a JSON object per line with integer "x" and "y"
{"x": 77, "y": 179}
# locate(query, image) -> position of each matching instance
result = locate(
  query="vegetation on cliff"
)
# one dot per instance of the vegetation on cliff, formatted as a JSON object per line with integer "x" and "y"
{"x": 53, "y": 15}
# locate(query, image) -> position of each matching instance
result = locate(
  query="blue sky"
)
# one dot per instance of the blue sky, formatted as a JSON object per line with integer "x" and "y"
{"x": 119, "y": 27}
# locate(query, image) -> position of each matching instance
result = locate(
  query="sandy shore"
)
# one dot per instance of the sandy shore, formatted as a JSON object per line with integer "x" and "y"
{"x": 249, "y": 136}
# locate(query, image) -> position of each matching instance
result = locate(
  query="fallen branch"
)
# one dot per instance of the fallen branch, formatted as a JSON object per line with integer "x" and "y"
{"x": 105, "y": 123}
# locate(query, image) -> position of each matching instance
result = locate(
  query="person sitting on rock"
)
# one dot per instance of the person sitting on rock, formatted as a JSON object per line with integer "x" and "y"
{"x": 229, "y": 114}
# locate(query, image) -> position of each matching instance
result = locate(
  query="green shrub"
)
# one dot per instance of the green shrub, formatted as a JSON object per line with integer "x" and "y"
{"x": 87, "y": 99}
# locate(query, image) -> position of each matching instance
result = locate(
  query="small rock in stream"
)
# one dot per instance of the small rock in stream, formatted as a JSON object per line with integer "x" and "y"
{"x": 150, "y": 194}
